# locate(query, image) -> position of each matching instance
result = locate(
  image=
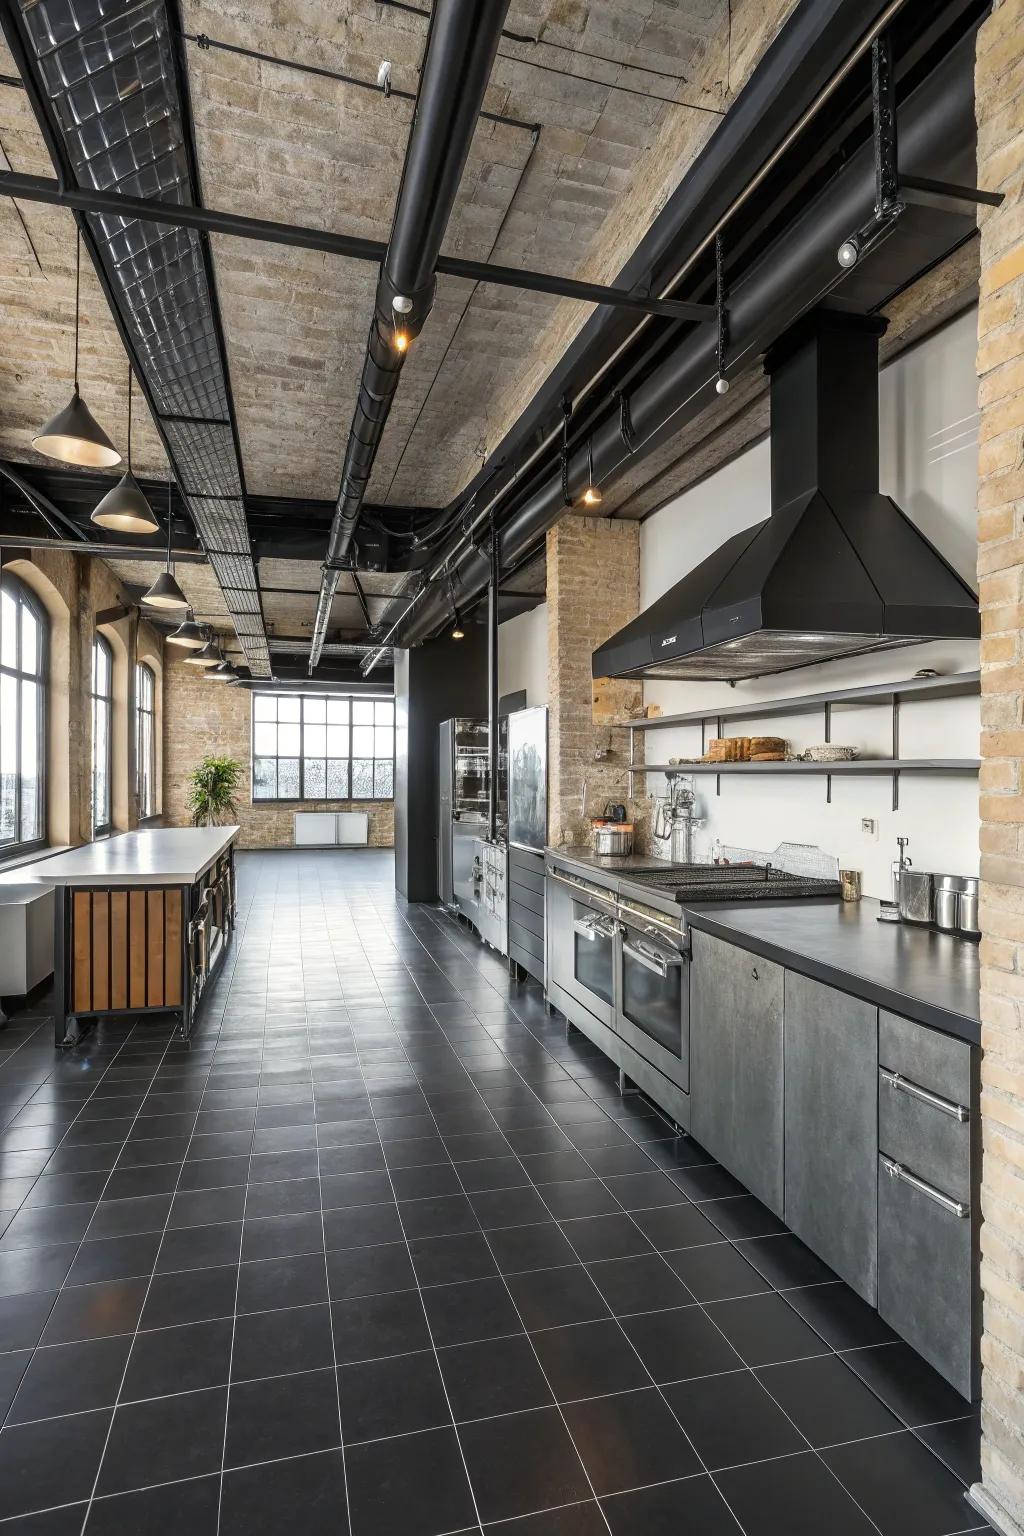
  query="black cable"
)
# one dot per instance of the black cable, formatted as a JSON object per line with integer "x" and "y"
{"x": 78, "y": 276}
{"x": 203, "y": 41}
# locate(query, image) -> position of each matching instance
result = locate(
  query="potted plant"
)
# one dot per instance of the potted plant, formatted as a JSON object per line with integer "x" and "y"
{"x": 211, "y": 791}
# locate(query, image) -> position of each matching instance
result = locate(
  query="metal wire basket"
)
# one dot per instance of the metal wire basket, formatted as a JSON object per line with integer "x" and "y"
{"x": 804, "y": 859}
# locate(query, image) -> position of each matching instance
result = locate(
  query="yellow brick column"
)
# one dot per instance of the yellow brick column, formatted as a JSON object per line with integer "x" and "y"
{"x": 999, "y": 90}
{"x": 593, "y": 589}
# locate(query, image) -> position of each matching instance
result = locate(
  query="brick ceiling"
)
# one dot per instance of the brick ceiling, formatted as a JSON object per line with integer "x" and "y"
{"x": 625, "y": 93}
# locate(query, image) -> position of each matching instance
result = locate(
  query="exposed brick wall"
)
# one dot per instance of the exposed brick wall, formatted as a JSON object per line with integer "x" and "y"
{"x": 1000, "y": 108}
{"x": 74, "y": 590}
{"x": 201, "y": 717}
{"x": 593, "y": 589}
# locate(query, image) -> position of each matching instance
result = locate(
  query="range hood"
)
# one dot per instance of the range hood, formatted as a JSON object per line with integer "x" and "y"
{"x": 836, "y": 570}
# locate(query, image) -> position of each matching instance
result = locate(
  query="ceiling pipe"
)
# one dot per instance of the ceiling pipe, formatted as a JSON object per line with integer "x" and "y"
{"x": 937, "y": 137}
{"x": 461, "y": 44}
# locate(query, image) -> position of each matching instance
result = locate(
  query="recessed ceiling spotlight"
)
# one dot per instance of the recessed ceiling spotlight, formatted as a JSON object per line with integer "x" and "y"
{"x": 848, "y": 253}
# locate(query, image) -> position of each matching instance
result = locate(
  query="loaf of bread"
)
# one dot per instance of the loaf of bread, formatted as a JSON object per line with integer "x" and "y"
{"x": 762, "y": 744}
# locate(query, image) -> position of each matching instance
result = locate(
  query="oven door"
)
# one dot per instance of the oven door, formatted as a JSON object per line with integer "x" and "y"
{"x": 653, "y": 1014}
{"x": 593, "y": 960}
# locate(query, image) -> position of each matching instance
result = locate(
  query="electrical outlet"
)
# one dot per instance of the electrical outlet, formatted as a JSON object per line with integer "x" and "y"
{"x": 869, "y": 829}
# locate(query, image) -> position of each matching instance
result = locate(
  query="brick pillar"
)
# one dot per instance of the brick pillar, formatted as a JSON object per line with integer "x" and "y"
{"x": 593, "y": 588}
{"x": 999, "y": 89}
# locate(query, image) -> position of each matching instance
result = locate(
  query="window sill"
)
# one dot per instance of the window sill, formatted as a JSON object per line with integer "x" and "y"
{"x": 20, "y": 860}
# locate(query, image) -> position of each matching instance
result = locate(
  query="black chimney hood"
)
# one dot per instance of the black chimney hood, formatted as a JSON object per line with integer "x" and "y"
{"x": 837, "y": 569}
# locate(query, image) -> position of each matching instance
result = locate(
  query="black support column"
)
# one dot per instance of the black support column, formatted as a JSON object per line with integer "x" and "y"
{"x": 433, "y": 682}
{"x": 492, "y": 686}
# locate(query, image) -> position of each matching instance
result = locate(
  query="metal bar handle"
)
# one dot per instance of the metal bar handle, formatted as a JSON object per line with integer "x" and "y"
{"x": 654, "y": 959}
{"x": 902, "y": 1084}
{"x": 959, "y": 1208}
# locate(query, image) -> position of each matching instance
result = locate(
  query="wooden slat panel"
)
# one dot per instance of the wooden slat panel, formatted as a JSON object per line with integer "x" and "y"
{"x": 137, "y": 949}
{"x": 81, "y": 944}
{"x": 119, "y": 949}
{"x": 155, "y": 940}
{"x": 172, "y": 949}
{"x": 100, "y": 950}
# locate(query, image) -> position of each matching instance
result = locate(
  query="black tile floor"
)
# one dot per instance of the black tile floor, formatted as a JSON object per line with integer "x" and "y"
{"x": 385, "y": 1252}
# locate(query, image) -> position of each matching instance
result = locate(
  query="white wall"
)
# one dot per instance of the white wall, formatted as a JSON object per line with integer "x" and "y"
{"x": 928, "y": 432}
{"x": 523, "y": 655}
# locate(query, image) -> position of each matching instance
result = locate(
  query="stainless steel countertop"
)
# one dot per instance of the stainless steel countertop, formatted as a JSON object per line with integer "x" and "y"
{"x": 159, "y": 856}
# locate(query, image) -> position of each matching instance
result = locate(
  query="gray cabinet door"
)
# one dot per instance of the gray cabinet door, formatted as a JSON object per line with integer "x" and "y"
{"x": 736, "y": 1063}
{"x": 832, "y": 1127}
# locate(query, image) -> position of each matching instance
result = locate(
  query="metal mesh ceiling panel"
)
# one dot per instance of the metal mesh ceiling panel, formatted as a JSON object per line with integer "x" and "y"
{"x": 338, "y": 648}
{"x": 107, "y": 71}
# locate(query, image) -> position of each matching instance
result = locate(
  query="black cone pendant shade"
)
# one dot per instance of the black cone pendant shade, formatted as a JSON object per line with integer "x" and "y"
{"x": 188, "y": 634}
{"x": 124, "y": 508}
{"x": 165, "y": 592}
{"x": 209, "y": 656}
{"x": 74, "y": 435}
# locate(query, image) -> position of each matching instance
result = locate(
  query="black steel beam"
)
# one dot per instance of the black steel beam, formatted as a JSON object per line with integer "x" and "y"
{"x": 45, "y": 189}
{"x": 104, "y": 551}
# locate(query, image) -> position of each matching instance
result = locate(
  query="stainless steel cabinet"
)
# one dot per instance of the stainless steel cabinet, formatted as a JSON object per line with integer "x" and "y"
{"x": 831, "y": 1048}
{"x": 928, "y": 1170}
{"x": 736, "y": 1063}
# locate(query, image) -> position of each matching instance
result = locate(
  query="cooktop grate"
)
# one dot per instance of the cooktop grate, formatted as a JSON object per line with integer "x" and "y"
{"x": 731, "y": 882}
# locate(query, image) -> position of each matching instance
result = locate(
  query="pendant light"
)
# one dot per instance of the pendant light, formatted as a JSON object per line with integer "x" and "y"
{"x": 223, "y": 673}
{"x": 208, "y": 656}
{"x": 188, "y": 634}
{"x": 124, "y": 508}
{"x": 74, "y": 435}
{"x": 165, "y": 592}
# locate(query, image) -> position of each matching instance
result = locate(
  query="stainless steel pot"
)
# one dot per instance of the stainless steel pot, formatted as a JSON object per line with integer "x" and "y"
{"x": 613, "y": 839}
{"x": 968, "y": 922}
{"x": 917, "y": 895}
{"x": 948, "y": 891}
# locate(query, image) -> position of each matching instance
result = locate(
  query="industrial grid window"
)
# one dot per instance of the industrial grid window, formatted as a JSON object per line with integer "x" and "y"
{"x": 322, "y": 747}
{"x": 102, "y": 694}
{"x": 23, "y": 638}
{"x": 145, "y": 739}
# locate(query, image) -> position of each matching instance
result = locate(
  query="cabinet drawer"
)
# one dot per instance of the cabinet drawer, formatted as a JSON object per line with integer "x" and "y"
{"x": 925, "y": 1277}
{"x": 926, "y": 1132}
{"x": 933, "y": 1060}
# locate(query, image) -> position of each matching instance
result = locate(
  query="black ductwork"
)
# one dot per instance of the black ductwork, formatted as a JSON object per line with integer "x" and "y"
{"x": 462, "y": 41}
{"x": 836, "y": 570}
{"x": 937, "y": 136}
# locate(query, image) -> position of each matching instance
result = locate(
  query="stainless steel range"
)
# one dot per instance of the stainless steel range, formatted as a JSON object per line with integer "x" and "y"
{"x": 618, "y": 948}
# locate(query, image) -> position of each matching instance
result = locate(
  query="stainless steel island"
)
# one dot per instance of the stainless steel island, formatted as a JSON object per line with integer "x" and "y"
{"x": 141, "y": 923}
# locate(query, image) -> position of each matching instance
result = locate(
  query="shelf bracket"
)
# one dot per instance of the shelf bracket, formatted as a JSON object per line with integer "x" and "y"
{"x": 828, "y": 737}
{"x": 896, "y": 750}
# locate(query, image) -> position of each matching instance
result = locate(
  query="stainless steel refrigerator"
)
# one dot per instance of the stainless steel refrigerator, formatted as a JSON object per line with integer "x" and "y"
{"x": 463, "y": 781}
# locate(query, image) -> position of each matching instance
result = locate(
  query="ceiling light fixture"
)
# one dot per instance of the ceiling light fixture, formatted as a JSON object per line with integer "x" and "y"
{"x": 125, "y": 508}
{"x": 165, "y": 592}
{"x": 224, "y": 672}
{"x": 209, "y": 656}
{"x": 401, "y": 339}
{"x": 458, "y": 633}
{"x": 188, "y": 634}
{"x": 592, "y": 495}
{"x": 848, "y": 253}
{"x": 74, "y": 436}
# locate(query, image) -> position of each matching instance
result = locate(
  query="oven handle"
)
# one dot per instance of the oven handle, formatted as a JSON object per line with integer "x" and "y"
{"x": 597, "y": 926}
{"x": 583, "y": 892}
{"x": 656, "y": 960}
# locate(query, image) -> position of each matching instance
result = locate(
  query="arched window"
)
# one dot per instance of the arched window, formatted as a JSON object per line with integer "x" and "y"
{"x": 23, "y": 637}
{"x": 102, "y": 709}
{"x": 145, "y": 739}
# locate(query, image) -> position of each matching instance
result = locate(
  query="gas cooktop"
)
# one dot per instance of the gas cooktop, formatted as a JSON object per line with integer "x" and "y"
{"x": 688, "y": 883}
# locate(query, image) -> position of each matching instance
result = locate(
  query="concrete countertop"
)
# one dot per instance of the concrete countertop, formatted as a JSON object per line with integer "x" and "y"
{"x": 927, "y": 976}
{"x": 159, "y": 856}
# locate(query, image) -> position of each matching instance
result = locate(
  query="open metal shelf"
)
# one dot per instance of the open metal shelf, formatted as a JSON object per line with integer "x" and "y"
{"x": 955, "y": 685}
{"x": 860, "y": 766}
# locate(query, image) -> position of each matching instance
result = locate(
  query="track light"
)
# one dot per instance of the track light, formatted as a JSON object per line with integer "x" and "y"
{"x": 74, "y": 436}
{"x": 165, "y": 592}
{"x": 849, "y": 252}
{"x": 188, "y": 635}
{"x": 125, "y": 508}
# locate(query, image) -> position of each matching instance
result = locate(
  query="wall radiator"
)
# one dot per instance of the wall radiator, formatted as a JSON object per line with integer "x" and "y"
{"x": 332, "y": 829}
